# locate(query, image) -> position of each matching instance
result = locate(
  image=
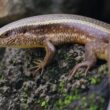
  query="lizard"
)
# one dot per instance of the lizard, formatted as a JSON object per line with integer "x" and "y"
{"x": 47, "y": 31}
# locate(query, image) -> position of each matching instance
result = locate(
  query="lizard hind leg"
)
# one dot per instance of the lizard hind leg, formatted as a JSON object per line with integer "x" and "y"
{"x": 90, "y": 60}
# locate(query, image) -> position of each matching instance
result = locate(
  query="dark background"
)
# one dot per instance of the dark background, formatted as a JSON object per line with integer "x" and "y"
{"x": 15, "y": 9}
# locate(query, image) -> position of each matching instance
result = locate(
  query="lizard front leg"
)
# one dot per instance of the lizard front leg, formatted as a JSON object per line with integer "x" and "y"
{"x": 90, "y": 59}
{"x": 50, "y": 51}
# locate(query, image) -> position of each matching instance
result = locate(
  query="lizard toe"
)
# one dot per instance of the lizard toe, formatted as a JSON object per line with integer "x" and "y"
{"x": 39, "y": 66}
{"x": 74, "y": 70}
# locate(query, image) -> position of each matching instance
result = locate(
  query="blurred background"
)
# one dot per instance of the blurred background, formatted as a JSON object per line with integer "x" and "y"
{"x": 11, "y": 10}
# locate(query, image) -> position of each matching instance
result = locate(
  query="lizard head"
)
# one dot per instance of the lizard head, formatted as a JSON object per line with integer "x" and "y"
{"x": 20, "y": 40}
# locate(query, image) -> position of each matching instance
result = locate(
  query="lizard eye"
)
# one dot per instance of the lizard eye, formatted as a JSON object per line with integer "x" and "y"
{"x": 6, "y": 34}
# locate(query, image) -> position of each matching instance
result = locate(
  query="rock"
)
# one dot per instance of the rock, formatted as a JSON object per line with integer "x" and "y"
{"x": 11, "y": 10}
{"x": 16, "y": 9}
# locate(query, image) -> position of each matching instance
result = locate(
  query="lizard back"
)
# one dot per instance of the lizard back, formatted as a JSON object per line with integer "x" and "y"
{"x": 59, "y": 28}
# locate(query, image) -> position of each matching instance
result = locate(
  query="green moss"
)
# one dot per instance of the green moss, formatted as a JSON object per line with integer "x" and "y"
{"x": 103, "y": 69}
{"x": 25, "y": 94}
{"x": 93, "y": 107}
{"x": 61, "y": 103}
{"x": 1, "y": 77}
{"x": 92, "y": 102}
{"x": 95, "y": 80}
{"x": 43, "y": 103}
{"x": 65, "y": 98}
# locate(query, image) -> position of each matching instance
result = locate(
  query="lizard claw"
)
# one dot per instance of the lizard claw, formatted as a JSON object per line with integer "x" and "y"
{"x": 74, "y": 70}
{"x": 39, "y": 66}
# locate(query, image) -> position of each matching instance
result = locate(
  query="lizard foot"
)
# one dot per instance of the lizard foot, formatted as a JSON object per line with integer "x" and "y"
{"x": 39, "y": 66}
{"x": 74, "y": 70}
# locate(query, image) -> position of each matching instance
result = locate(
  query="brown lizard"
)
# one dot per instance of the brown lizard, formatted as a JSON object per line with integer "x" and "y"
{"x": 49, "y": 30}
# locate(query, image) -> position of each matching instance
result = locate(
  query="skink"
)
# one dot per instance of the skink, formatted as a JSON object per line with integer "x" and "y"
{"x": 49, "y": 30}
